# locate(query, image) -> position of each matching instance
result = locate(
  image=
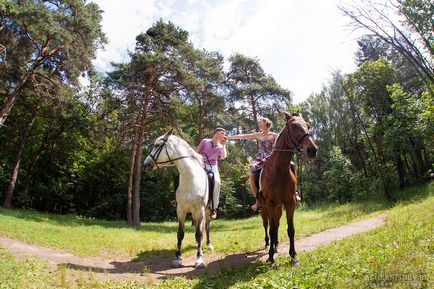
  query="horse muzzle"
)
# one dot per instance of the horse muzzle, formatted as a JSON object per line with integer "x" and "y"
{"x": 311, "y": 152}
{"x": 148, "y": 164}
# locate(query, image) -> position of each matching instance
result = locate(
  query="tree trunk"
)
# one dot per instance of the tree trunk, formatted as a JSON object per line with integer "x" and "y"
{"x": 356, "y": 116}
{"x": 138, "y": 157}
{"x": 10, "y": 191}
{"x": 12, "y": 98}
{"x": 201, "y": 133}
{"x": 400, "y": 170}
{"x": 254, "y": 111}
{"x": 30, "y": 172}
{"x": 130, "y": 178}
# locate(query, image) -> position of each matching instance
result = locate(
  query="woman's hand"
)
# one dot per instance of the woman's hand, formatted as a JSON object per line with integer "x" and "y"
{"x": 224, "y": 140}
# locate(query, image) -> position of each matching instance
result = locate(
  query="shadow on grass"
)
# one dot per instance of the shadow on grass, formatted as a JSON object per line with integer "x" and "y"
{"x": 143, "y": 256}
{"x": 144, "y": 263}
{"x": 160, "y": 267}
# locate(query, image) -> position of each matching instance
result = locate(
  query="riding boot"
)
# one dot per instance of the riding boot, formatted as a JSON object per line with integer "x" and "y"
{"x": 213, "y": 214}
{"x": 256, "y": 206}
{"x": 297, "y": 196}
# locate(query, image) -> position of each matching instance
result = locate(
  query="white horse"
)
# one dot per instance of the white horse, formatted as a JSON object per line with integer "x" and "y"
{"x": 192, "y": 192}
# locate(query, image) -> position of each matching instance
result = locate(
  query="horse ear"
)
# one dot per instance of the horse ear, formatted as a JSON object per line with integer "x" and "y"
{"x": 287, "y": 115}
{"x": 168, "y": 133}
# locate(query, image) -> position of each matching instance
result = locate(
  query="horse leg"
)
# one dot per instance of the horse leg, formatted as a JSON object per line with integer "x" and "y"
{"x": 291, "y": 233}
{"x": 264, "y": 215}
{"x": 200, "y": 218}
{"x": 278, "y": 216}
{"x": 273, "y": 232}
{"x": 177, "y": 262}
{"x": 207, "y": 228}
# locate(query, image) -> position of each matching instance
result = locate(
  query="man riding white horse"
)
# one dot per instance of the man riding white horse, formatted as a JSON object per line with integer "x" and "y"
{"x": 212, "y": 150}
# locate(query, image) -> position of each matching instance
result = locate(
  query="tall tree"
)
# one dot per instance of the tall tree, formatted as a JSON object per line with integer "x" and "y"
{"x": 55, "y": 40}
{"x": 375, "y": 17}
{"x": 156, "y": 71}
{"x": 252, "y": 90}
{"x": 206, "y": 97}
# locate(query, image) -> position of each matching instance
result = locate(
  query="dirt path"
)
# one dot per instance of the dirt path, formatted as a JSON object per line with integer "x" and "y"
{"x": 123, "y": 269}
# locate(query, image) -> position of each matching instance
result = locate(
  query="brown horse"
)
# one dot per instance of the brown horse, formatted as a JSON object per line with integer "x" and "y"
{"x": 278, "y": 183}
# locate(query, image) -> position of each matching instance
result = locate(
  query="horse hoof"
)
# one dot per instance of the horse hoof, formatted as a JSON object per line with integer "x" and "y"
{"x": 176, "y": 263}
{"x": 270, "y": 261}
{"x": 295, "y": 262}
{"x": 200, "y": 264}
{"x": 210, "y": 247}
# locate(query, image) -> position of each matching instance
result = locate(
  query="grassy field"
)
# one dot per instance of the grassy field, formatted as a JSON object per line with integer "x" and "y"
{"x": 398, "y": 255}
{"x": 89, "y": 237}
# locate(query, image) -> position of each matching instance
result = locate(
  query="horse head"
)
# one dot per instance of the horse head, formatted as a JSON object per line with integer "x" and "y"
{"x": 299, "y": 137}
{"x": 161, "y": 152}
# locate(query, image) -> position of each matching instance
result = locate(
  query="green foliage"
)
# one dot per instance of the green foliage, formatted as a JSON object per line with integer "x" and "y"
{"x": 373, "y": 127}
{"x": 252, "y": 91}
{"x": 339, "y": 176}
{"x": 418, "y": 15}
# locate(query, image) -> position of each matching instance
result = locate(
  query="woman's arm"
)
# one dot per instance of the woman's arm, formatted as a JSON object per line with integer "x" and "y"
{"x": 246, "y": 136}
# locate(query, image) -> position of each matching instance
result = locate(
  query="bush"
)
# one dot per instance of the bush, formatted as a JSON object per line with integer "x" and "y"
{"x": 340, "y": 179}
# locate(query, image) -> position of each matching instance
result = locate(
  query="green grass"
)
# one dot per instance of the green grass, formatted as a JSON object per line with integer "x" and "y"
{"x": 88, "y": 237}
{"x": 398, "y": 255}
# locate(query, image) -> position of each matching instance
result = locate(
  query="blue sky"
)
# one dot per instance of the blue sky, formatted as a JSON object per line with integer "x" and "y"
{"x": 298, "y": 42}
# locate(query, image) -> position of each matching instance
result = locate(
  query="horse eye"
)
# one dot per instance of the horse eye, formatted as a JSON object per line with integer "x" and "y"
{"x": 294, "y": 126}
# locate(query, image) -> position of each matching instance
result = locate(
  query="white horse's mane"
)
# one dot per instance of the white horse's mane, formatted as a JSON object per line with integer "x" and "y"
{"x": 181, "y": 142}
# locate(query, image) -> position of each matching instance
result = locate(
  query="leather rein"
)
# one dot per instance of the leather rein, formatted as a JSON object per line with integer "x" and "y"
{"x": 294, "y": 142}
{"x": 158, "y": 152}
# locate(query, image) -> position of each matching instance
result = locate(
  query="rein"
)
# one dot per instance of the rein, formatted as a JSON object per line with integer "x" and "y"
{"x": 296, "y": 145}
{"x": 298, "y": 151}
{"x": 158, "y": 152}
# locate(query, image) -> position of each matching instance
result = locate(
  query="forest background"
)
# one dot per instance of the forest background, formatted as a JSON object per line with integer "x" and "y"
{"x": 74, "y": 148}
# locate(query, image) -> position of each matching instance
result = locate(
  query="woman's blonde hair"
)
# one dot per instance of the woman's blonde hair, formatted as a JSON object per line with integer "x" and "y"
{"x": 267, "y": 121}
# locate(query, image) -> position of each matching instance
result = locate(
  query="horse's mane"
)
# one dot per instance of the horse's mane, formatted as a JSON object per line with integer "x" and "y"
{"x": 181, "y": 142}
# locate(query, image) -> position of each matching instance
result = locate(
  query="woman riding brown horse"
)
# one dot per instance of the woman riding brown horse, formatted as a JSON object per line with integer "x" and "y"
{"x": 278, "y": 183}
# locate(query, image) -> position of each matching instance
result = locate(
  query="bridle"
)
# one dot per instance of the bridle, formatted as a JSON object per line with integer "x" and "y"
{"x": 292, "y": 140}
{"x": 158, "y": 152}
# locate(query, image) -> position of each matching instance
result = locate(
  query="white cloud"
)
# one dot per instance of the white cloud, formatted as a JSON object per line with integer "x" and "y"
{"x": 121, "y": 23}
{"x": 297, "y": 42}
